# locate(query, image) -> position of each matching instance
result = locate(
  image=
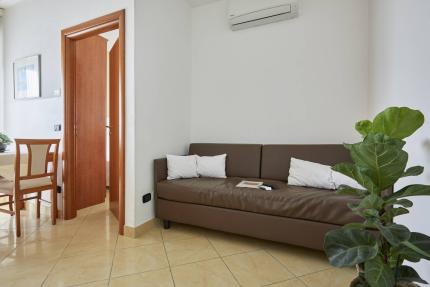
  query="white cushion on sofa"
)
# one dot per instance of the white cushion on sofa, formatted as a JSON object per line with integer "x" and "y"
{"x": 181, "y": 166}
{"x": 340, "y": 179}
{"x": 211, "y": 166}
{"x": 311, "y": 174}
{"x": 307, "y": 173}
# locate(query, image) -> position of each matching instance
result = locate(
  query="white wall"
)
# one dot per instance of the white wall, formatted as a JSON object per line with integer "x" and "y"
{"x": 33, "y": 27}
{"x": 400, "y": 76}
{"x": 1, "y": 76}
{"x": 163, "y": 69}
{"x": 298, "y": 81}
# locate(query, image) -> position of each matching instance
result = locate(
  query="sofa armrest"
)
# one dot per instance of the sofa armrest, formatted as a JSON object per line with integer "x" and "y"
{"x": 160, "y": 170}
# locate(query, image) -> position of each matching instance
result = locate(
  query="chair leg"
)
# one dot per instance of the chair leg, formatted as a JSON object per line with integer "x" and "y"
{"x": 54, "y": 206}
{"x": 38, "y": 204}
{"x": 18, "y": 215}
{"x": 10, "y": 203}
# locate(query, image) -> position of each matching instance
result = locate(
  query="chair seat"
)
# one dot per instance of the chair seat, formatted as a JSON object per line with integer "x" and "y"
{"x": 7, "y": 185}
{"x": 35, "y": 182}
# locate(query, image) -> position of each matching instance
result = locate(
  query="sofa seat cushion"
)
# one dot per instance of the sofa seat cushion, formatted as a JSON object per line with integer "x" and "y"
{"x": 305, "y": 203}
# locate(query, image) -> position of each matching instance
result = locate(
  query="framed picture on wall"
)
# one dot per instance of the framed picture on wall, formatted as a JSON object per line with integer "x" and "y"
{"x": 26, "y": 78}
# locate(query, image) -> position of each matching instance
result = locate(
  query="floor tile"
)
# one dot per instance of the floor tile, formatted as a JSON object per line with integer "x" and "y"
{"x": 180, "y": 232}
{"x": 76, "y": 248}
{"x": 103, "y": 283}
{"x": 35, "y": 253}
{"x": 149, "y": 237}
{"x": 290, "y": 283}
{"x": 229, "y": 244}
{"x": 299, "y": 261}
{"x": 53, "y": 232}
{"x": 211, "y": 273}
{"x": 256, "y": 268}
{"x": 330, "y": 278}
{"x": 79, "y": 270}
{"x": 25, "y": 276}
{"x": 189, "y": 250}
{"x": 139, "y": 259}
{"x": 158, "y": 278}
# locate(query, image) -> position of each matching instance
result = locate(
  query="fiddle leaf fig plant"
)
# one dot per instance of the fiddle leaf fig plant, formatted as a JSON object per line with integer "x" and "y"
{"x": 378, "y": 246}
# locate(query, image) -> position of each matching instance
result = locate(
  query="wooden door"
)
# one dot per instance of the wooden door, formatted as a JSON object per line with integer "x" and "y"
{"x": 90, "y": 121}
{"x": 113, "y": 128}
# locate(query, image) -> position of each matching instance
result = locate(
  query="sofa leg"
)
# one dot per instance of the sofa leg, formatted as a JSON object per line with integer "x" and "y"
{"x": 166, "y": 224}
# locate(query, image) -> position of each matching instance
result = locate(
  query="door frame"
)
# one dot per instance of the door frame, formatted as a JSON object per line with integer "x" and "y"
{"x": 115, "y": 20}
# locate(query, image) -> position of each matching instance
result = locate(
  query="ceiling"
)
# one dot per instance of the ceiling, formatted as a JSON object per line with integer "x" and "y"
{"x": 195, "y": 3}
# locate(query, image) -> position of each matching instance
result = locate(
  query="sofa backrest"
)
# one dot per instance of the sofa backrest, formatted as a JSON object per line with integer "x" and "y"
{"x": 275, "y": 163}
{"x": 243, "y": 160}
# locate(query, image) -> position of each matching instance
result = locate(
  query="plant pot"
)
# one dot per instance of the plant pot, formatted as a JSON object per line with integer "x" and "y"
{"x": 3, "y": 147}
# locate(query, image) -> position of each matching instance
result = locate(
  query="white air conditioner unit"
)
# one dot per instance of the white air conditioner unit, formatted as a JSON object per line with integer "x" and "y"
{"x": 245, "y": 14}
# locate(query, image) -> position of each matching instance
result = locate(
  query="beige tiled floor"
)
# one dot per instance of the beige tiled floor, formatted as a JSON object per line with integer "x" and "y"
{"x": 88, "y": 252}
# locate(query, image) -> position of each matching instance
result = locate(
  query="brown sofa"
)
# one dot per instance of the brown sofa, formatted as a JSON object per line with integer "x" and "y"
{"x": 289, "y": 214}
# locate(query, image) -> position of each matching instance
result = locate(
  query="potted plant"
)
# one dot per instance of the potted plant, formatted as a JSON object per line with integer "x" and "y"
{"x": 378, "y": 246}
{"x": 4, "y": 142}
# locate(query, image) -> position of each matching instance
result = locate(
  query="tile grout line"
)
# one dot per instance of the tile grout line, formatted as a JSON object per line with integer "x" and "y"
{"x": 168, "y": 261}
{"x": 222, "y": 259}
{"x": 61, "y": 256}
{"x": 279, "y": 261}
{"x": 298, "y": 276}
{"x": 24, "y": 239}
{"x": 113, "y": 259}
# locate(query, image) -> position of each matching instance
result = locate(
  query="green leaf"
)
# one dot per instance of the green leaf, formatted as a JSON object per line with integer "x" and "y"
{"x": 358, "y": 174}
{"x": 347, "y": 190}
{"x": 393, "y": 212}
{"x": 371, "y": 201}
{"x": 5, "y": 139}
{"x": 402, "y": 202}
{"x": 395, "y": 234}
{"x": 416, "y": 249}
{"x": 411, "y": 190}
{"x": 413, "y": 171}
{"x": 369, "y": 213}
{"x": 378, "y": 274}
{"x": 382, "y": 158}
{"x": 398, "y": 122}
{"x": 348, "y": 247}
{"x": 408, "y": 274}
{"x": 354, "y": 225}
{"x": 364, "y": 127}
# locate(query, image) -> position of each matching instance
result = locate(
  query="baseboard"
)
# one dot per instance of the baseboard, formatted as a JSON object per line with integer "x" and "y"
{"x": 137, "y": 231}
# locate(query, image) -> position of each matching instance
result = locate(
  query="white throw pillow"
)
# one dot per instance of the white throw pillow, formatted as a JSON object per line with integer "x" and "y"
{"x": 181, "y": 166}
{"x": 306, "y": 173}
{"x": 340, "y": 179}
{"x": 211, "y": 166}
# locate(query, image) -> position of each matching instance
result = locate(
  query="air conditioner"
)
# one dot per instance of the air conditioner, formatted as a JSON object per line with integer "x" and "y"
{"x": 245, "y": 14}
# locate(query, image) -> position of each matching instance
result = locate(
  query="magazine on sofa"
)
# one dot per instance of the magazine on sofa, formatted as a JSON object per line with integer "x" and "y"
{"x": 254, "y": 184}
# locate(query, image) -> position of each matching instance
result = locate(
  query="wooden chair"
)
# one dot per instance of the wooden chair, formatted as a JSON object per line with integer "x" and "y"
{"x": 36, "y": 178}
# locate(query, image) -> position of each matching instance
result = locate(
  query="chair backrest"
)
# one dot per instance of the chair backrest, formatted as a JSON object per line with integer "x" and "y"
{"x": 41, "y": 152}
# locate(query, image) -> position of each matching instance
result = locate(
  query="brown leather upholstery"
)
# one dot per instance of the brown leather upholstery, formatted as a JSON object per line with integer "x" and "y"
{"x": 243, "y": 160}
{"x": 275, "y": 162}
{"x": 275, "y": 228}
{"x": 294, "y": 215}
{"x": 312, "y": 204}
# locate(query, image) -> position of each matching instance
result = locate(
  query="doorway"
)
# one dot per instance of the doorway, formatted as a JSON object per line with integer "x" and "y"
{"x": 94, "y": 115}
